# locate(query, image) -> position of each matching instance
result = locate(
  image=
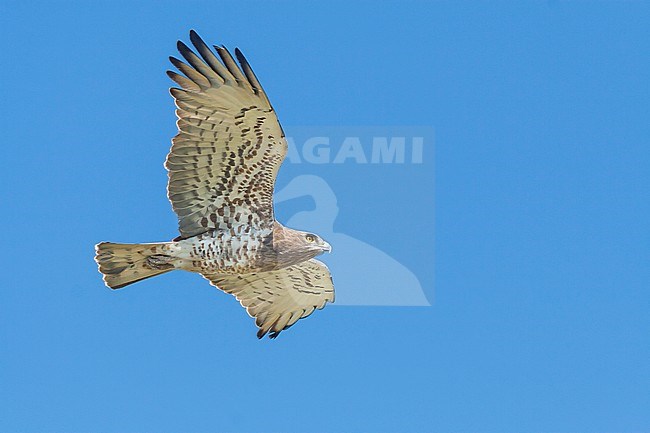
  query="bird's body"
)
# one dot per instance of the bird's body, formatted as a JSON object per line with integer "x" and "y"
{"x": 226, "y": 253}
{"x": 229, "y": 252}
{"x": 222, "y": 169}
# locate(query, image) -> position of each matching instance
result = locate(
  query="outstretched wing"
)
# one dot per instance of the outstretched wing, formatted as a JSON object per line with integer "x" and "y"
{"x": 278, "y": 299}
{"x": 229, "y": 147}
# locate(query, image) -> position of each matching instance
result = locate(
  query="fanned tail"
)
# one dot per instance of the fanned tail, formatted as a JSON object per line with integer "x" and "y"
{"x": 124, "y": 264}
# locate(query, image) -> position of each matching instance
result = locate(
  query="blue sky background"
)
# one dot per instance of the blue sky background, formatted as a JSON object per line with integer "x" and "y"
{"x": 542, "y": 163}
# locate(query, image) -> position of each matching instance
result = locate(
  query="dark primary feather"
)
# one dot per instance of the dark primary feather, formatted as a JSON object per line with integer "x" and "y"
{"x": 209, "y": 57}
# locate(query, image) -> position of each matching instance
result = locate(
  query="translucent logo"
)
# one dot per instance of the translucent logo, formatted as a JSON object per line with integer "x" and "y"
{"x": 363, "y": 274}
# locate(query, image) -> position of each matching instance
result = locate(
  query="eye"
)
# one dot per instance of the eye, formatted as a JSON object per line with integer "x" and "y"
{"x": 310, "y": 238}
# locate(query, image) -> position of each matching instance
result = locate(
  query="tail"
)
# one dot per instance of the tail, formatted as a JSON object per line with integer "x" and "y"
{"x": 124, "y": 264}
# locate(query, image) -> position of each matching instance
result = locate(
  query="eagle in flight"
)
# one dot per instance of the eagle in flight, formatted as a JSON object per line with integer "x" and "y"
{"x": 222, "y": 168}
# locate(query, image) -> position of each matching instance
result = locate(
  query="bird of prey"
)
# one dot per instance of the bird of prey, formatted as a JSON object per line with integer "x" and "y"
{"x": 222, "y": 168}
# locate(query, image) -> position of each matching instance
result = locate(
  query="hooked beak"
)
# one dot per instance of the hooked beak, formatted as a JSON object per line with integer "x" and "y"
{"x": 327, "y": 247}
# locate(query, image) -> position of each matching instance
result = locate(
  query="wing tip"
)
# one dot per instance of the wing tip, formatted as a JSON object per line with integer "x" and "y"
{"x": 184, "y": 49}
{"x": 221, "y": 49}
{"x": 196, "y": 39}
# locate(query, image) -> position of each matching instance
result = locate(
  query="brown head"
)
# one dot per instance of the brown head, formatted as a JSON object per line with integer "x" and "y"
{"x": 295, "y": 246}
